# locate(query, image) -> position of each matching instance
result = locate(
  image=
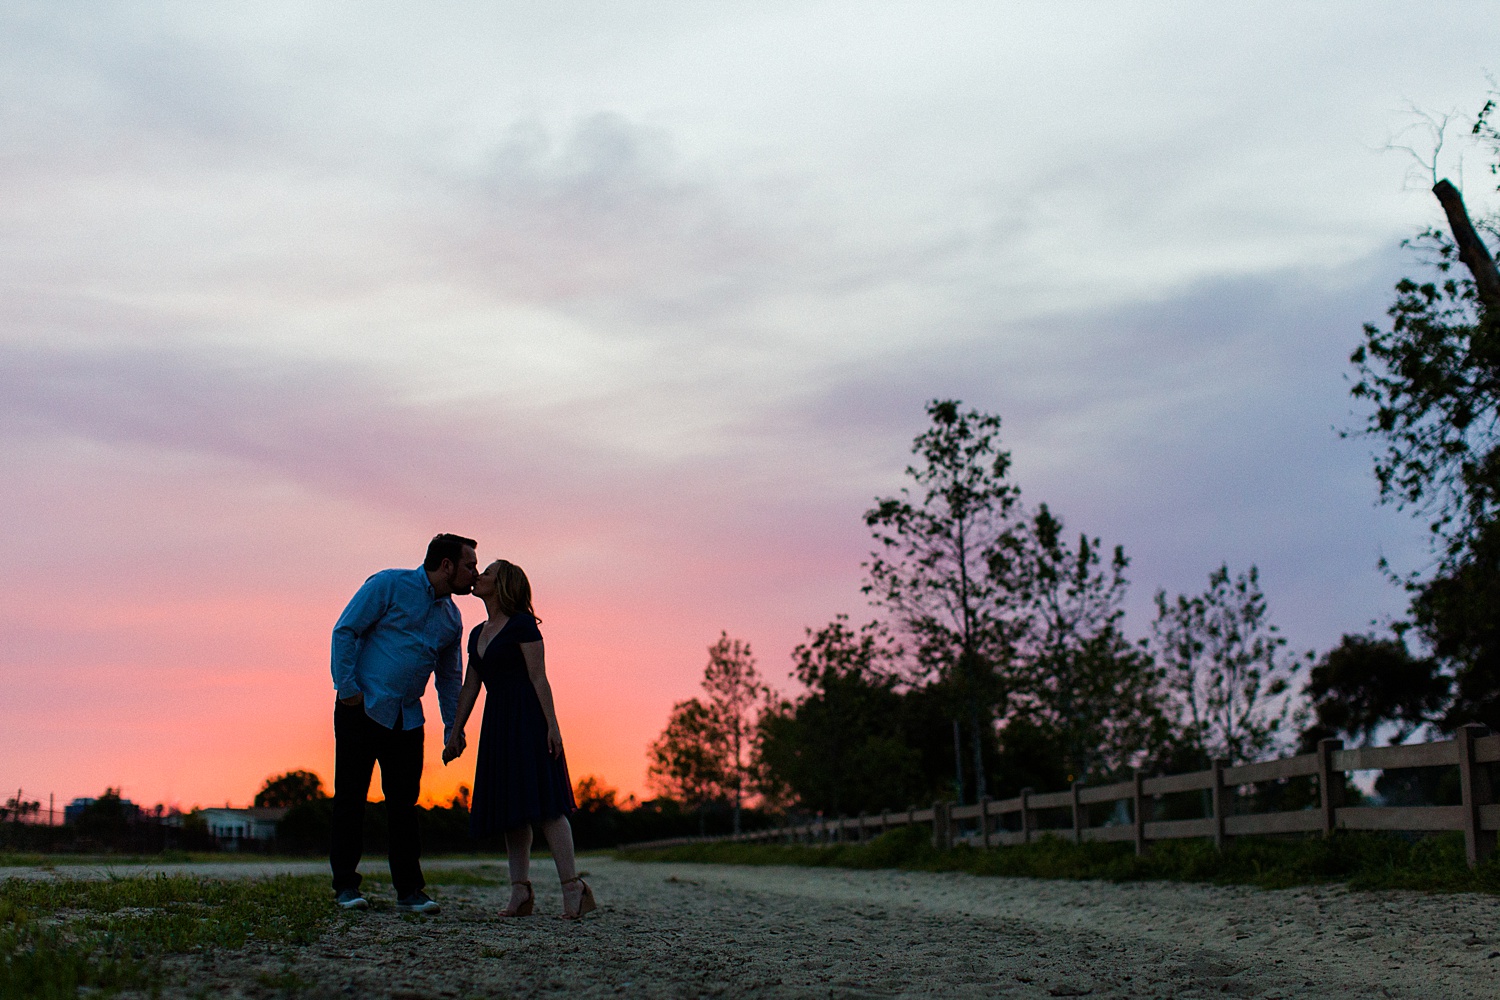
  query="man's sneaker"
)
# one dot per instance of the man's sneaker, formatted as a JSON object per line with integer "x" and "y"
{"x": 417, "y": 902}
{"x": 350, "y": 899}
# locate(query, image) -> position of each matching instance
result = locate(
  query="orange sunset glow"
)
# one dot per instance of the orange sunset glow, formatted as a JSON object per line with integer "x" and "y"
{"x": 650, "y": 301}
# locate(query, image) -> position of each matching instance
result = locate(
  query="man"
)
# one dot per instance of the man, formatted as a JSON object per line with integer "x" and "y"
{"x": 399, "y": 629}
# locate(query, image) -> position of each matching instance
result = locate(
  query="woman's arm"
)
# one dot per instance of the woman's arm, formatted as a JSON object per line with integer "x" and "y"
{"x": 467, "y": 696}
{"x": 536, "y": 669}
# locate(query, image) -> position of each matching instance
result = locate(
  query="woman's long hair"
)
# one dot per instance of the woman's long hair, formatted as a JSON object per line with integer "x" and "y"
{"x": 513, "y": 590}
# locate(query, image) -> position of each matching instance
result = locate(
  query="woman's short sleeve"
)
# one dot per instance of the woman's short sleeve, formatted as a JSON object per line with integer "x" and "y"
{"x": 474, "y": 641}
{"x": 526, "y": 630}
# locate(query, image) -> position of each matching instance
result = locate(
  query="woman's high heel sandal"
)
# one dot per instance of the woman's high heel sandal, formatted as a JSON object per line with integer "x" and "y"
{"x": 523, "y": 908}
{"x": 585, "y": 900}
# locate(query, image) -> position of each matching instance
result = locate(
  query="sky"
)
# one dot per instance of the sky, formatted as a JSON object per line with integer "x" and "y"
{"x": 649, "y": 298}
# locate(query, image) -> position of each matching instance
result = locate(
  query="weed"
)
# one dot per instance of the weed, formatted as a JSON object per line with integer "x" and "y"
{"x": 59, "y": 935}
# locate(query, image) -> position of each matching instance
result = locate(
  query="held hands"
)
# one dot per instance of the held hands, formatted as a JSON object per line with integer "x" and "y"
{"x": 357, "y": 698}
{"x": 554, "y": 740}
{"x": 455, "y": 748}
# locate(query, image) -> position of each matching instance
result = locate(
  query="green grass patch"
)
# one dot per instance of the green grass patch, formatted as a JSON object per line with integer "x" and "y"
{"x": 1362, "y": 860}
{"x": 59, "y": 935}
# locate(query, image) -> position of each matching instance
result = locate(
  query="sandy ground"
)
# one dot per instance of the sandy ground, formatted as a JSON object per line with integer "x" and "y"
{"x": 678, "y": 930}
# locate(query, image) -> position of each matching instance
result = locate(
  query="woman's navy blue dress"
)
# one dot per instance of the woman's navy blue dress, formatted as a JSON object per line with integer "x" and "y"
{"x": 516, "y": 780}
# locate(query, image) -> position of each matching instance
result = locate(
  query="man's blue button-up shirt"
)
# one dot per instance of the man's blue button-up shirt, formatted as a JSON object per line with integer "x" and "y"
{"x": 395, "y": 633}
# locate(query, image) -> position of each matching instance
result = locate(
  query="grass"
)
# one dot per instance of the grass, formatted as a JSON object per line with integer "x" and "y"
{"x": 59, "y": 935}
{"x": 165, "y": 857}
{"x": 1360, "y": 860}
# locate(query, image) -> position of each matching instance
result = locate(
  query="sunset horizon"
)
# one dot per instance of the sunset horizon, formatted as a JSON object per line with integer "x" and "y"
{"x": 650, "y": 302}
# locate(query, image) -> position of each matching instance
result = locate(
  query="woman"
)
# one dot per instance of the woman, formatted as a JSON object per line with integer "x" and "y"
{"x": 521, "y": 776}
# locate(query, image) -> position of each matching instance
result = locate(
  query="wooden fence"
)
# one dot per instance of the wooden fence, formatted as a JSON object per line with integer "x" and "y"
{"x": 984, "y": 824}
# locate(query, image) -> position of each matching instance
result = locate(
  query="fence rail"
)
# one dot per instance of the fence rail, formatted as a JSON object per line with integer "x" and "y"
{"x": 1472, "y": 751}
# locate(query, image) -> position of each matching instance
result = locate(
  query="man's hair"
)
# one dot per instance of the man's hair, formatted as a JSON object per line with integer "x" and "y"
{"x": 446, "y": 546}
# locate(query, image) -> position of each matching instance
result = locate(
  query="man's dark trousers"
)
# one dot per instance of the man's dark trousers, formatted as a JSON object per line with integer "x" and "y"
{"x": 360, "y": 741}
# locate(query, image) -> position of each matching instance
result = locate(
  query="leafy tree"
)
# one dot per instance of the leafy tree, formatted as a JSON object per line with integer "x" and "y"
{"x": 704, "y": 754}
{"x": 1432, "y": 379}
{"x": 940, "y": 542}
{"x": 290, "y": 789}
{"x": 1084, "y": 680}
{"x": 735, "y": 690}
{"x": 687, "y": 761}
{"x": 1225, "y": 667}
{"x": 1366, "y": 684}
{"x": 1455, "y": 613}
{"x": 840, "y": 748}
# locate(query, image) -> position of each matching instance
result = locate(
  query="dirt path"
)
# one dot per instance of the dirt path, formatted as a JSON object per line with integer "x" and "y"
{"x": 677, "y": 930}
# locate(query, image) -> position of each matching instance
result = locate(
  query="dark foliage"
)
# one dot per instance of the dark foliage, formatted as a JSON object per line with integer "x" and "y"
{"x": 1455, "y": 612}
{"x": 841, "y": 748}
{"x": 290, "y": 789}
{"x": 1365, "y": 684}
{"x": 1432, "y": 380}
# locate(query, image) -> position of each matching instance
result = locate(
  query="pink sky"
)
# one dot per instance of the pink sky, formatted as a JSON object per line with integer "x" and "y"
{"x": 649, "y": 299}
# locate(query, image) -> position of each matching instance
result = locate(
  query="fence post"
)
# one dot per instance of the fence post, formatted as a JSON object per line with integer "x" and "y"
{"x": 1474, "y": 780}
{"x": 885, "y": 821}
{"x": 1025, "y": 815}
{"x": 1330, "y": 785}
{"x": 1079, "y": 819}
{"x": 1139, "y": 814}
{"x": 1218, "y": 804}
{"x": 984, "y": 821}
{"x": 861, "y": 826}
{"x": 942, "y": 826}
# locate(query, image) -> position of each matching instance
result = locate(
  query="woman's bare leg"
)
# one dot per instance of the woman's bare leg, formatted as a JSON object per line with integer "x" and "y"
{"x": 518, "y": 853}
{"x": 559, "y": 834}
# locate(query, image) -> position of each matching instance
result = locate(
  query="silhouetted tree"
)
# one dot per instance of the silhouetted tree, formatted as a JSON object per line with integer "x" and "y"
{"x": 1366, "y": 684}
{"x": 840, "y": 747}
{"x": 1225, "y": 667}
{"x": 687, "y": 761}
{"x": 1433, "y": 380}
{"x": 290, "y": 789}
{"x": 939, "y": 544}
{"x": 735, "y": 691}
{"x": 1083, "y": 679}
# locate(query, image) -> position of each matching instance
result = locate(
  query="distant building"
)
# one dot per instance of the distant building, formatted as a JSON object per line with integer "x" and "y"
{"x": 231, "y": 826}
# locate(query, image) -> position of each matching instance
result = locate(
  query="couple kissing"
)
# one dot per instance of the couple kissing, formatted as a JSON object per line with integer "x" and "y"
{"x": 400, "y": 628}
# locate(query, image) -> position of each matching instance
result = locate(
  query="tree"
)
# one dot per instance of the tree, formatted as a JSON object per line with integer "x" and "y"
{"x": 687, "y": 761}
{"x": 840, "y": 748}
{"x": 704, "y": 754}
{"x": 1225, "y": 667}
{"x": 940, "y": 543}
{"x": 1432, "y": 379}
{"x": 1083, "y": 680}
{"x": 1366, "y": 684}
{"x": 290, "y": 789}
{"x": 735, "y": 690}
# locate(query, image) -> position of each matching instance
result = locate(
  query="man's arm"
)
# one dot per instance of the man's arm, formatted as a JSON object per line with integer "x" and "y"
{"x": 365, "y": 608}
{"x": 448, "y": 681}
